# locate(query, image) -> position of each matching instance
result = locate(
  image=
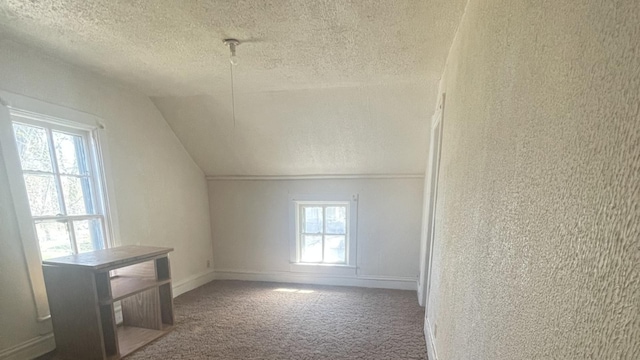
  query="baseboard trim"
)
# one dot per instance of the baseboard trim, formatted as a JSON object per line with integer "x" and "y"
{"x": 192, "y": 282}
{"x": 30, "y": 349}
{"x": 383, "y": 282}
{"x": 431, "y": 345}
{"x": 313, "y": 177}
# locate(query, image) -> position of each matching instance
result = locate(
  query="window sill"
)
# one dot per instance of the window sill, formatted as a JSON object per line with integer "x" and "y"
{"x": 329, "y": 269}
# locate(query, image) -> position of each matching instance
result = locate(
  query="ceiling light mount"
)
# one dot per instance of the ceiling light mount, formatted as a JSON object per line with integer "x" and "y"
{"x": 232, "y": 44}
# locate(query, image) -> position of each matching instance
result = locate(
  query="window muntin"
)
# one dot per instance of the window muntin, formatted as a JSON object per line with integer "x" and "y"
{"x": 61, "y": 181}
{"x": 322, "y": 234}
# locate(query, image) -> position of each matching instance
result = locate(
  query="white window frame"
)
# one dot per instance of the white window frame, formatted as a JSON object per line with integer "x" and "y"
{"x": 296, "y": 201}
{"x": 95, "y": 174}
{"x": 12, "y": 105}
{"x": 300, "y": 233}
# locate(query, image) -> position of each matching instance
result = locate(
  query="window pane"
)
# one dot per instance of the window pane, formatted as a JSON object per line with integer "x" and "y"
{"x": 33, "y": 147}
{"x": 70, "y": 154}
{"x": 312, "y": 220}
{"x": 43, "y": 194}
{"x": 336, "y": 219}
{"x": 88, "y": 235}
{"x": 334, "y": 249}
{"x": 54, "y": 239}
{"x": 77, "y": 196}
{"x": 311, "y": 248}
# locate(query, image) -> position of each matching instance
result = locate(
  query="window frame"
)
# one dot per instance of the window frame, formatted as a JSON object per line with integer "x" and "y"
{"x": 349, "y": 267}
{"x": 10, "y": 105}
{"x": 300, "y": 234}
{"x": 98, "y": 197}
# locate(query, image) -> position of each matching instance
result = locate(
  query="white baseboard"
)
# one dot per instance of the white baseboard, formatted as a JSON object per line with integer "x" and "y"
{"x": 399, "y": 283}
{"x": 429, "y": 339}
{"x": 192, "y": 282}
{"x": 29, "y": 349}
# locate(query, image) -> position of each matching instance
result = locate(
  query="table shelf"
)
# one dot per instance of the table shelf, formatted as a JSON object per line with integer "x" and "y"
{"x": 125, "y": 286}
{"x": 82, "y": 290}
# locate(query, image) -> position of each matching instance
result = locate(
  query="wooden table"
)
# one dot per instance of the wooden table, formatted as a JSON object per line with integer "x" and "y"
{"x": 83, "y": 288}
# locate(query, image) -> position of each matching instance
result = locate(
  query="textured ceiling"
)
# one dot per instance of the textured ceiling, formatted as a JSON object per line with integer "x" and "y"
{"x": 369, "y": 51}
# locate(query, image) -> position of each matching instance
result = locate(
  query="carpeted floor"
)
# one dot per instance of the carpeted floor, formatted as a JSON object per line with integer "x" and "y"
{"x": 256, "y": 320}
{"x": 253, "y": 320}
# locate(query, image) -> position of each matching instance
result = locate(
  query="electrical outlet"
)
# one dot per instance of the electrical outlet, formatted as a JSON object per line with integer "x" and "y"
{"x": 208, "y": 263}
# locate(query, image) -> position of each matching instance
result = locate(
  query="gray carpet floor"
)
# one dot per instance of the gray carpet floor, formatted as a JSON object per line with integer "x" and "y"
{"x": 254, "y": 320}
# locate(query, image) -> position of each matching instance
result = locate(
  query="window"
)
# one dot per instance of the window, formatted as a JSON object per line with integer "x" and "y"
{"x": 323, "y": 232}
{"x": 60, "y": 173}
{"x": 29, "y": 153}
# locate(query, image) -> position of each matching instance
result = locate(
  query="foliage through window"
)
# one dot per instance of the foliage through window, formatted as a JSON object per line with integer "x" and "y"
{"x": 60, "y": 175}
{"x": 322, "y": 232}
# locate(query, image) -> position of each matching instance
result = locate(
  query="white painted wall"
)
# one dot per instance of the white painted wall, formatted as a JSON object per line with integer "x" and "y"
{"x": 537, "y": 252}
{"x": 250, "y": 220}
{"x": 160, "y": 192}
{"x": 17, "y": 306}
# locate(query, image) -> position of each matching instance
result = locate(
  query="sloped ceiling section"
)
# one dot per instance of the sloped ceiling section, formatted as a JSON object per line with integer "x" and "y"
{"x": 322, "y": 87}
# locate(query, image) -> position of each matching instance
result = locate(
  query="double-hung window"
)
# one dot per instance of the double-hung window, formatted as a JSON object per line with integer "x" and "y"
{"x": 61, "y": 175}
{"x": 323, "y": 232}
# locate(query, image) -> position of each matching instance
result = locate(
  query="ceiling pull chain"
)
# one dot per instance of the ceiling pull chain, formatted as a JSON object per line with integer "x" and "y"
{"x": 233, "y": 60}
{"x": 233, "y": 98}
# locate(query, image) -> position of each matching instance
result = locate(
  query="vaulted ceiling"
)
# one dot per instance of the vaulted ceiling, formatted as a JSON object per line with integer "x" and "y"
{"x": 322, "y": 87}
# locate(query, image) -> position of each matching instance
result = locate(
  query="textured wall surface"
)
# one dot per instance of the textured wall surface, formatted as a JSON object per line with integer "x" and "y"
{"x": 538, "y": 226}
{"x": 161, "y": 194}
{"x": 250, "y": 221}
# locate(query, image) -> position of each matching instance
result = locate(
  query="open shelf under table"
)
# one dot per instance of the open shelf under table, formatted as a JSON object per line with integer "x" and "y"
{"x": 131, "y": 338}
{"x": 124, "y": 286}
{"x": 82, "y": 289}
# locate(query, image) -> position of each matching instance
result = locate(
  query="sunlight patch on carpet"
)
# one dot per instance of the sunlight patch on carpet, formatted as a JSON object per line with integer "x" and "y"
{"x": 294, "y": 291}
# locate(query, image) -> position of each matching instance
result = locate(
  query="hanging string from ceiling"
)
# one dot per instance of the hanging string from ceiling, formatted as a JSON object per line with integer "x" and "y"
{"x": 233, "y": 61}
{"x": 233, "y": 98}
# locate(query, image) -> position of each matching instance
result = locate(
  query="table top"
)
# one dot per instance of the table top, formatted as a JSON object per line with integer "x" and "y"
{"x": 108, "y": 258}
